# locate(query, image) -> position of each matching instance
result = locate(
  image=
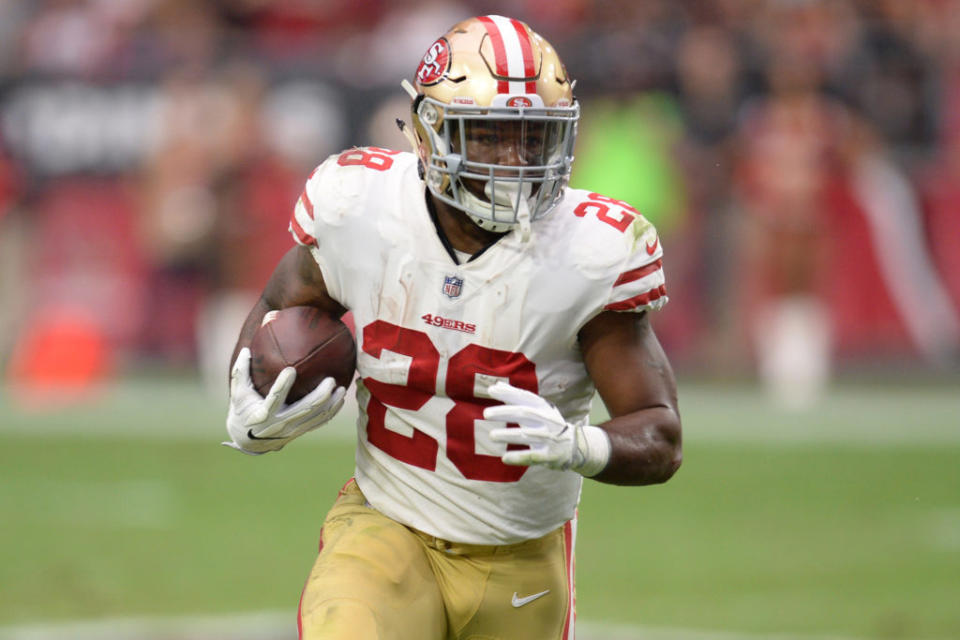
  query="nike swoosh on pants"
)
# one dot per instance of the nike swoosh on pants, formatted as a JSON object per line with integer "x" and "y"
{"x": 519, "y": 602}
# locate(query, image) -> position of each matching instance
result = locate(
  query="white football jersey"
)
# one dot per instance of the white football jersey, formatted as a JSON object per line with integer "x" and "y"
{"x": 433, "y": 335}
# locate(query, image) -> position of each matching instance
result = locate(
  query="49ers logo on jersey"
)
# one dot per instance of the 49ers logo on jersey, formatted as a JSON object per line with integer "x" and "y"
{"x": 449, "y": 323}
{"x": 436, "y": 61}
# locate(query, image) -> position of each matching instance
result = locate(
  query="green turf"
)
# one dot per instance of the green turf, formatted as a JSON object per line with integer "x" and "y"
{"x": 824, "y": 540}
{"x": 764, "y": 536}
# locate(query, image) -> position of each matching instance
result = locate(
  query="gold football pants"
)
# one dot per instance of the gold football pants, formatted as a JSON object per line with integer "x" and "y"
{"x": 376, "y": 579}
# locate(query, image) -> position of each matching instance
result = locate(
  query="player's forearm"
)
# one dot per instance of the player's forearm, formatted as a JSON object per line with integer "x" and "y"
{"x": 645, "y": 447}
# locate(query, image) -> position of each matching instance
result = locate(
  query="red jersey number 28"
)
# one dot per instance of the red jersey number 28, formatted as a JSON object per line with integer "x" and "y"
{"x": 421, "y": 449}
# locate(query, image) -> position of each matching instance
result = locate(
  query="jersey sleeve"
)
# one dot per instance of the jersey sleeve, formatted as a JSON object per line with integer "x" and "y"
{"x": 340, "y": 215}
{"x": 640, "y": 284}
{"x": 319, "y": 222}
{"x": 301, "y": 222}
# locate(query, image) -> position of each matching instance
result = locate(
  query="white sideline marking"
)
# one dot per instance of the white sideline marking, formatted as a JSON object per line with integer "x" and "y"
{"x": 270, "y": 625}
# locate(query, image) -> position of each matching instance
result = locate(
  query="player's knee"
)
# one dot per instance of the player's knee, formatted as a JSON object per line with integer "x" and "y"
{"x": 339, "y": 619}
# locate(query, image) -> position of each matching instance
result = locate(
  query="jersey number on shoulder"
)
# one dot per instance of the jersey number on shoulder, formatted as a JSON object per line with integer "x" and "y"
{"x": 369, "y": 157}
{"x": 616, "y": 213}
{"x": 420, "y": 449}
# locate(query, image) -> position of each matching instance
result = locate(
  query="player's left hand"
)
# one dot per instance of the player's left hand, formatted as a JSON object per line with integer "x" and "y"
{"x": 551, "y": 440}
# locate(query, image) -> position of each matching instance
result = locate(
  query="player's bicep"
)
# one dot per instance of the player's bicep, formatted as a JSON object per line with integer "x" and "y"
{"x": 627, "y": 364}
{"x": 298, "y": 281}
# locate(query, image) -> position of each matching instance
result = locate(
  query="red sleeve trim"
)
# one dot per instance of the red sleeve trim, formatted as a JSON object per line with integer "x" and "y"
{"x": 636, "y": 301}
{"x": 639, "y": 272}
{"x": 302, "y": 236}
{"x": 307, "y": 205}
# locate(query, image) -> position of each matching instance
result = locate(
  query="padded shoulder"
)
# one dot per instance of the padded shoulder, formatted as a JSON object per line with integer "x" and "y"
{"x": 346, "y": 185}
{"x": 611, "y": 243}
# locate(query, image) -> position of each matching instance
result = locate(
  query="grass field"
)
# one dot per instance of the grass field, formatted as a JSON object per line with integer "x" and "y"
{"x": 844, "y": 522}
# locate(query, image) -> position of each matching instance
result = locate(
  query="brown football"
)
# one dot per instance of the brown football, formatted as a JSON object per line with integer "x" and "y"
{"x": 314, "y": 342}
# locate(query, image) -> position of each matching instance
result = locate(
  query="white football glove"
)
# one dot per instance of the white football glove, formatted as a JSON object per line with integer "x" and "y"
{"x": 552, "y": 441}
{"x": 257, "y": 425}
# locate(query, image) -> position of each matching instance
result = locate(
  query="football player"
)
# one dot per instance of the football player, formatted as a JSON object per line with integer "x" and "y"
{"x": 491, "y": 302}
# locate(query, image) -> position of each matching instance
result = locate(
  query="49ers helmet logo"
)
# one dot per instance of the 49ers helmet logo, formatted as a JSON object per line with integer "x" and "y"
{"x": 435, "y": 63}
{"x": 519, "y": 101}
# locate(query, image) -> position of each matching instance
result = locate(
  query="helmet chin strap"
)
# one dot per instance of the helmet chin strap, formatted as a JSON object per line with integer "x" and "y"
{"x": 518, "y": 194}
{"x": 509, "y": 197}
{"x": 523, "y": 217}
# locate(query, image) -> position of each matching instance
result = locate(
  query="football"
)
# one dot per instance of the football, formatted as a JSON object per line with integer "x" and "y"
{"x": 314, "y": 342}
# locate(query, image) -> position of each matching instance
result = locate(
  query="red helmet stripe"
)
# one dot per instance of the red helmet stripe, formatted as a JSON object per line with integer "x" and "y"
{"x": 528, "y": 70}
{"x": 499, "y": 52}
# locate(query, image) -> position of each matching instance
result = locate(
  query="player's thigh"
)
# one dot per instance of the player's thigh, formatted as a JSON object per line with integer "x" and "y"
{"x": 371, "y": 580}
{"x": 527, "y": 593}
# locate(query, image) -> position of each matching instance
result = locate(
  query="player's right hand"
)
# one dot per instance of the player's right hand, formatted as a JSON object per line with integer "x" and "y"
{"x": 259, "y": 424}
{"x": 549, "y": 439}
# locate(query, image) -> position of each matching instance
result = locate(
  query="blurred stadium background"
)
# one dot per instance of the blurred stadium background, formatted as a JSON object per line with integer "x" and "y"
{"x": 801, "y": 159}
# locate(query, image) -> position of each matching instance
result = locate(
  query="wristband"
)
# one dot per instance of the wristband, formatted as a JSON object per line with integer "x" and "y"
{"x": 593, "y": 444}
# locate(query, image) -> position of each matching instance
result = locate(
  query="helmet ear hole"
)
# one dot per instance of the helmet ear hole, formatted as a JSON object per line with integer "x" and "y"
{"x": 415, "y": 105}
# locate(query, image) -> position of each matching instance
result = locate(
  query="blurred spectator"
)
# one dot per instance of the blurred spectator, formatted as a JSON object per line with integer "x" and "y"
{"x": 711, "y": 83}
{"x": 886, "y": 77}
{"x": 789, "y": 142}
{"x": 205, "y": 124}
{"x": 626, "y": 47}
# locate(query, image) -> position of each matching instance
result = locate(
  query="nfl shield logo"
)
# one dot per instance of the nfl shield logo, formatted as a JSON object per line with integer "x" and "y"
{"x": 452, "y": 285}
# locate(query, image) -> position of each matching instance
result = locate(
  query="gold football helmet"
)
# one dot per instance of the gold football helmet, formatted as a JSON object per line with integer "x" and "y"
{"x": 495, "y": 121}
